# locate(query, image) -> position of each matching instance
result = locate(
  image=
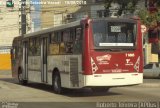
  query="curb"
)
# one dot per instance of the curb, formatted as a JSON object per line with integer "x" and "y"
{"x": 5, "y": 76}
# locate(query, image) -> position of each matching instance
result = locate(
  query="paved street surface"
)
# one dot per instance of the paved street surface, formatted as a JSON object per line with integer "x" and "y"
{"x": 40, "y": 94}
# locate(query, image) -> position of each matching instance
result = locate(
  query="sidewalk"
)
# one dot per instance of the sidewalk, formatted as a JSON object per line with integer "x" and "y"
{"x": 5, "y": 74}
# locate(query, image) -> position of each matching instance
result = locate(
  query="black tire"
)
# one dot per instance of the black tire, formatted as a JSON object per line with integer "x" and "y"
{"x": 100, "y": 89}
{"x": 20, "y": 78}
{"x": 56, "y": 83}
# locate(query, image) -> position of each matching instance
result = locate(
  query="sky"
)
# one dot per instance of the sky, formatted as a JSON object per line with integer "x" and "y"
{"x": 35, "y": 15}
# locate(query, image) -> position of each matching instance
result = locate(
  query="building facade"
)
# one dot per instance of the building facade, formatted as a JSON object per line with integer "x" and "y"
{"x": 63, "y": 11}
{"x": 54, "y": 13}
{"x": 9, "y": 28}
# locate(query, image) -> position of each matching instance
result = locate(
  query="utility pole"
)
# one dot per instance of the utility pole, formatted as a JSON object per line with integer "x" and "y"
{"x": 23, "y": 17}
{"x": 28, "y": 17}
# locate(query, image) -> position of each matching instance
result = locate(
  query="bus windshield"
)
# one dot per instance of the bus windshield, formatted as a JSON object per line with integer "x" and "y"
{"x": 114, "y": 33}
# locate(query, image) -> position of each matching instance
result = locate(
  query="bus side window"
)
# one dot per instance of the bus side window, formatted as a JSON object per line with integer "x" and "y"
{"x": 13, "y": 52}
{"x": 77, "y": 47}
{"x": 16, "y": 51}
{"x": 72, "y": 34}
{"x": 61, "y": 42}
{"x": 68, "y": 39}
{"x": 54, "y": 44}
{"x": 31, "y": 47}
{"x": 37, "y": 47}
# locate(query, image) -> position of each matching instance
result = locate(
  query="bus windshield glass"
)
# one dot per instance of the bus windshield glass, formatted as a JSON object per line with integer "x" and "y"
{"x": 114, "y": 33}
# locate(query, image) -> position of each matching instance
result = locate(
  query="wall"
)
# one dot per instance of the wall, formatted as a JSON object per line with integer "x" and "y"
{"x": 9, "y": 28}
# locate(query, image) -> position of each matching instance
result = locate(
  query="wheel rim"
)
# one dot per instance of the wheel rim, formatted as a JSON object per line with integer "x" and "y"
{"x": 20, "y": 77}
{"x": 57, "y": 84}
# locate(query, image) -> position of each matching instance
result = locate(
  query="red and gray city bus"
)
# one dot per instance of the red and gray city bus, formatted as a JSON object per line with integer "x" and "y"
{"x": 95, "y": 53}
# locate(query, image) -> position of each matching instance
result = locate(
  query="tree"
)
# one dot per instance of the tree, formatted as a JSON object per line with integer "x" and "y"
{"x": 146, "y": 19}
{"x": 125, "y": 5}
{"x": 150, "y": 18}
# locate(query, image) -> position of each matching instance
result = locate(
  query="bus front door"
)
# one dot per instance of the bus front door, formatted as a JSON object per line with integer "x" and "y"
{"x": 44, "y": 59}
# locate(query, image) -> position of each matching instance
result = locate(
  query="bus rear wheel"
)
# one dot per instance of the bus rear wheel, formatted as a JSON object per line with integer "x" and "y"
{"x": 20, "y": 78}
{"x": 56, "y": 83}
{"x": 100, "y": 89}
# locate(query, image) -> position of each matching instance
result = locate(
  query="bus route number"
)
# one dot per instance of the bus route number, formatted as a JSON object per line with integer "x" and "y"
{"x": 130, "y": 55}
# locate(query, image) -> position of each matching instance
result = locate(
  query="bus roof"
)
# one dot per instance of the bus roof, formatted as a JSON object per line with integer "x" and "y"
{"x": 117, "y": 19}
{"x": 48, "y": 30}
{"x": 73, "y": 24}
{"x": 17, "y": 38}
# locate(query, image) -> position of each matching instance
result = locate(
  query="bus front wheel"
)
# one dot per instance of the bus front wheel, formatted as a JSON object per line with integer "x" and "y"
{"x": 20, "y": 78}
{"x": 56, "y": 83}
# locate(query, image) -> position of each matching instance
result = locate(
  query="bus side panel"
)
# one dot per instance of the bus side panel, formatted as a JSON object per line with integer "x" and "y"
{"x": 34, "y": 68}
{"x": 70, "y": 68}
{"x": 75, "y": 70}
{"x": 55, "y": 62}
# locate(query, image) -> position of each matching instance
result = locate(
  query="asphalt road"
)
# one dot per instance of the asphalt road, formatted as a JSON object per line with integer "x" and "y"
{"x": 40, "y": 95}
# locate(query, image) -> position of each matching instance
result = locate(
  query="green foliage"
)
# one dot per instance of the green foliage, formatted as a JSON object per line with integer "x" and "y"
{"x": 149, "y": 19}
{"x": 144, "y": 16}
{"x": 158, "y": 3}
{"x": 108, "y": 3}
{"x": 158, "y": 16}
{"x": 130, "y": 6}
